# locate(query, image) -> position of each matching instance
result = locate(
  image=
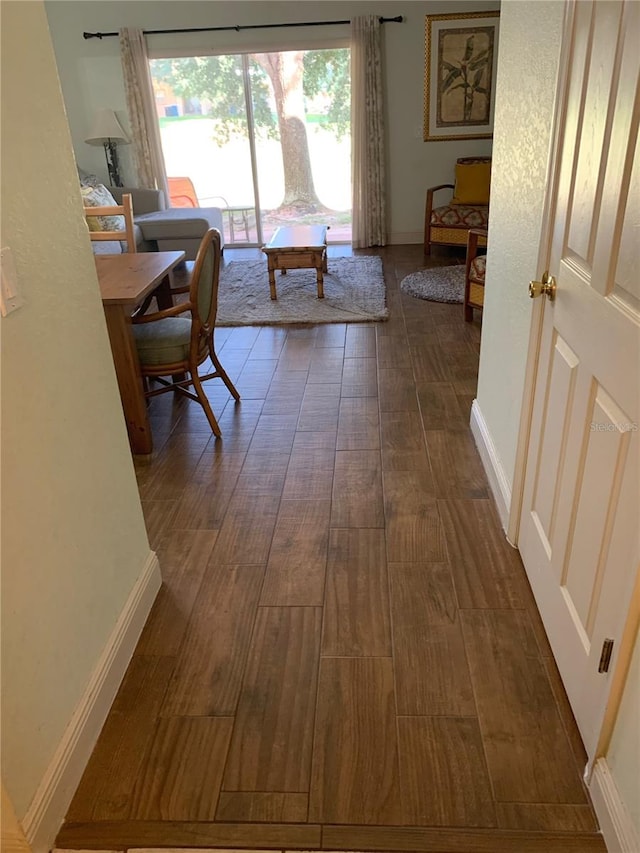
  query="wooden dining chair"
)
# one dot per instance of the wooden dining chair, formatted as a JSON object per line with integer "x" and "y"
{"x": 125, "y": 234}
{"x": 171, "y": 345}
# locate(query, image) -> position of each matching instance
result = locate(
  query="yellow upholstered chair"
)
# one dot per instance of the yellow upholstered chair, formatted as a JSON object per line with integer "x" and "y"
{"x": 448, "y": 224}
{"x": 172, "y": 345}
{"x": 474, "y": 273}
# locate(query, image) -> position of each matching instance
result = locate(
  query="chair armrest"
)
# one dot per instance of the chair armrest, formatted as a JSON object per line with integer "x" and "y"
{"x": 473, "y": 237}
{"x": 160, "y": 315}
{"x": 144, "y": 200}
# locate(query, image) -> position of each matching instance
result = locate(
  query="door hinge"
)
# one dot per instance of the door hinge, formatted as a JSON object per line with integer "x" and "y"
{"x": 605, "y": 656}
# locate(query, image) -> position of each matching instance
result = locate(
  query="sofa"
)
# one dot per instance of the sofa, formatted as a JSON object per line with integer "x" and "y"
{"x": 163, "y": 229}
{"x": 157, "y": 227}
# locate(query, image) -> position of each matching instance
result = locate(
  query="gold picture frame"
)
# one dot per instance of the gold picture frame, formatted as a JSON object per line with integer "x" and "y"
{"x": 461, "y": 53}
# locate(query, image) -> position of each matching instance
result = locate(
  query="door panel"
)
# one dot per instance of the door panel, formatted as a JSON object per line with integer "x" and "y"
{"x": 579, "y": 525}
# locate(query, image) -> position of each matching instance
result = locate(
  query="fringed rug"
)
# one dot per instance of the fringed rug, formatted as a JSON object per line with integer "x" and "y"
{"x": 438, "y": 284}
{"x": 354, "y": 292}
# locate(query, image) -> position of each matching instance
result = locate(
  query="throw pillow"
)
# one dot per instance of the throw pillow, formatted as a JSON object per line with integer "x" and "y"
{"x": 87, "y": 179}
{"x": 101, "y": 197}
{"x": 472, "y": 183}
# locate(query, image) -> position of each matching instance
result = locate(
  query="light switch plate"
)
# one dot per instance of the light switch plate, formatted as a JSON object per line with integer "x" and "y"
{"x": 10, "y": 298}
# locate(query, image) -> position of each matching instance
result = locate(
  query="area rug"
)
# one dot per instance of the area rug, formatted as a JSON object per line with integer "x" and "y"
{"x": 438, "y": 284}
{"x": 354, "y": 292}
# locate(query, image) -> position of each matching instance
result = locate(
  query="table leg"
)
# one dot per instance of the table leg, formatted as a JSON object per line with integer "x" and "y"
{"x": 163, "y": 292}
{"x": 272, "y": 277}
{"x": 319, "y": 276}
{"x": 125, "y": 359}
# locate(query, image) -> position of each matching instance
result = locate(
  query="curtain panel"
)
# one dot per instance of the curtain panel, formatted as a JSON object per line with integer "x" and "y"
{"x": 367, "y": 134}
{"x": 145, "y": 132}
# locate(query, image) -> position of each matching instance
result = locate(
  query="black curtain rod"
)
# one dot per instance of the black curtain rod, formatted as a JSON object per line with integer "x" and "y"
{"x": 397, "y": 20}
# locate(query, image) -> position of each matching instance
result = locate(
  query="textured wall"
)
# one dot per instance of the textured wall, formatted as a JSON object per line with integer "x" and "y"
{"x": 530, "y": 35}
{"x": 91, "y": 76}
{"x": 73, "y": 537}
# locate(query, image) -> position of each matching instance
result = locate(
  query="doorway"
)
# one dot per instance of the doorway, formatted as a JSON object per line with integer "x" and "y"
{"x": 264, "y": 136}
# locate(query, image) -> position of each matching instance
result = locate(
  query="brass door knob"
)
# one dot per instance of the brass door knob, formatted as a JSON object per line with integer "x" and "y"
{"x": 546, "y": 287}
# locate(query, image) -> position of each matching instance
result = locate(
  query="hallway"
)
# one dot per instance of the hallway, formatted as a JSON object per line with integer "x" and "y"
{"x": 345, "y": 653}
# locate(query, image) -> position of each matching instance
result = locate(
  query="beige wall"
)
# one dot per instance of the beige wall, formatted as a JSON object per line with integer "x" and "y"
{"x": 527, "y": 68}
{"x": 91, "y": 76}
{"x": 73, "y": 537}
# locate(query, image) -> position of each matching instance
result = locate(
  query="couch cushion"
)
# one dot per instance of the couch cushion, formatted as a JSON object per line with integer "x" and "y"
{"x": 177, "y": 223}
{"x": 101, "y": 197}
{"x": 460, "y": 216}
{"x": 472, "y": 183}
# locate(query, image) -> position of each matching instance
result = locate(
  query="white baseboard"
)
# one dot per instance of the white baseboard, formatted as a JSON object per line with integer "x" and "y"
{"x": 618, "y": 831}
{"x": 51, "y": 801}
{"x": 498, "y": 481}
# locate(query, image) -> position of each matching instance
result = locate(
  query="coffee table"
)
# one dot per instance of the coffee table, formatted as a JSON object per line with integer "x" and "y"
{"x": 297, "y": 247}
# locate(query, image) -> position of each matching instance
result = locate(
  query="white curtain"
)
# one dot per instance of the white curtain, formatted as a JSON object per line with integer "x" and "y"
{"x": 367, "y": 134}
{"x": 141, "y": 105}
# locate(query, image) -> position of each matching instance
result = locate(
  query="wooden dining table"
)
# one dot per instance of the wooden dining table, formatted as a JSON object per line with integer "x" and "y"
{"x": 125, "y": 282}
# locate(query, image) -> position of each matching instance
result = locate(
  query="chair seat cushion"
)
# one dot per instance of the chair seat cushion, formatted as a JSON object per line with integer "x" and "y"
{"x": 163, "y": 341}
{"x": 460, "y": 216}
{"x": 478, "y": 268}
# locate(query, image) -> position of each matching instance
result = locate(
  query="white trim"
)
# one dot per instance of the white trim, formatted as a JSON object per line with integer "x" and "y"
{"x": 51, "y": 801}
{"x": 617, "y": 828}
{"x": 498, "y": 480}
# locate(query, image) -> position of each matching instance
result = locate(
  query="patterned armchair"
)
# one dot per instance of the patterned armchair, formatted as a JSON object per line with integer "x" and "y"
{"x": 474, "y": 274}
{"x": 449, "y": 224}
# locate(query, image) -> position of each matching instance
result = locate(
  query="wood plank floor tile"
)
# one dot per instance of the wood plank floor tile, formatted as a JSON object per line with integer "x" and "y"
{"x": 430, "y": 363}
{"x": 208, "y": 672}
{"x": 393, "y": 352}
{"x": 427, "y": 840}
{"x": 413, "y": 528}
{"x": 205, "y": 498}
{"x": 546, "y": 817}
{"x": 430, "y": 663}
{"x": 310, "y": 471}
{"x": 176, "y": 463}
{"x": 439, "y": 406}
{"x": 528, "y": 754}
{"x": 278, "y": 808}
{"x": 298, "y": 558}
{"x": 356, "y": 619}
{"x": 397, "y": 390}
{"x": 263, "y": 473}
{"x": 158, "y": 516}
{"x": 443, "y": 773}
{"x": 182, "y": 773}
{"x": 566, "y": 714}
{"x": 274, "y": 433}
{"x": 360, "y": 377}
{"x": 402, "y": 442}
{"x": 238, "y": 424}
{"x": 360, "y": 341}
{"x": 183, "y": 559}
{"x": 105, "y": 789}
{"x": 331, "y": 335}
{"x": 355, "y": 760}
{"x": 245, "y": 535}
{"x": 456, "y": 465}
{"x": 319, "y": 412}
{"x": 487, "y": 571}
{"x": 272, "y": 738}
{"x": 143, "y": 834}
{"x": 326, "y": 365}
{"x": 358, "y": 424}
{"x": 357, "y": 490}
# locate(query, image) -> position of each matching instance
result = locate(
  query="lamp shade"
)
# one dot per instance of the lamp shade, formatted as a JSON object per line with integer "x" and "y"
{"x": 105, "y": 128}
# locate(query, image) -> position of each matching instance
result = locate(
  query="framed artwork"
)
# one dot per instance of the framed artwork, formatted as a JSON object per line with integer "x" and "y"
{"x": 461, "y": 53}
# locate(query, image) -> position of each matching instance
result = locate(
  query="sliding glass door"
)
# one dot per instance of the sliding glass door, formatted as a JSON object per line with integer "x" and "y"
{"x": 266, "y": 137}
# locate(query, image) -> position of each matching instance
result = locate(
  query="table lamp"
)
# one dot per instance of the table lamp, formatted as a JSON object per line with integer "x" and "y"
{"x": 107, "y": 131}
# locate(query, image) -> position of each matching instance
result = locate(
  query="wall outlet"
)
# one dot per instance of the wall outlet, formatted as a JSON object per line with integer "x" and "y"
{"x": 10, "y": 298}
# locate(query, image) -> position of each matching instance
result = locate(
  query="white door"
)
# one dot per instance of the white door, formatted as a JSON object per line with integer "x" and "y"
{"x": 581, "y": 512}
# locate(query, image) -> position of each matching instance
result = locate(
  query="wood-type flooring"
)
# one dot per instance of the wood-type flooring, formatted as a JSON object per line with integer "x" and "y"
{"x": 345, "y": 653}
